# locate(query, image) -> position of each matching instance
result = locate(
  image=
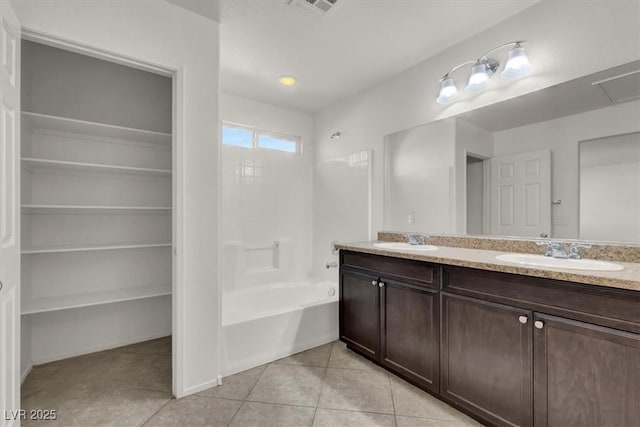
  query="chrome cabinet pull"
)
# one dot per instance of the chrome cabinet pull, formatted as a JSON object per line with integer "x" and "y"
{"x": 523, "y": 319}
{"x": 381, "y": 284}
{"x": 374, "y": 282}
{"x": 538, "y": 324}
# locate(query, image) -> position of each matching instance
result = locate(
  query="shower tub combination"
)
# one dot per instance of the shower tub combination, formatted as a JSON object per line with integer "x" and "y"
{"x": 267, "y": 322}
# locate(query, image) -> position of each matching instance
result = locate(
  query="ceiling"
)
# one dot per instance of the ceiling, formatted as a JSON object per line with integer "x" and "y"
{"x": 357, "y": 45}
{"x": 572, "y": 97}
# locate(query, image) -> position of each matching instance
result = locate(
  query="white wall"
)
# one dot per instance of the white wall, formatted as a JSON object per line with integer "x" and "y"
{"x": 566, "y": 40}
{"x": 266, "y": 197}
{"x": 562, "y": 137}
{"x": 166, "y": 35}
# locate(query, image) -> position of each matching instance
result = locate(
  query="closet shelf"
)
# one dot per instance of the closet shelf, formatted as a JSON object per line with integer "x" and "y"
{"x": 93, "y": 129}
{"x": 87, "y": 248}
{"x": 63, "y": 209}
{"x": 33, "y": 164}
{"x": 42, "y": 305}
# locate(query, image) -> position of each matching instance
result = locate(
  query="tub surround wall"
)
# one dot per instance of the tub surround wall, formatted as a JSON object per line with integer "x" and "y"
{"x": 601, "y": 251}
{"x": 266, "y": 198}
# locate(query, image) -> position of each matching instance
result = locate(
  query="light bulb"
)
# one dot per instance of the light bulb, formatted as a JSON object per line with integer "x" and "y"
{"x": 517, "y": 64}
{"x": 479, "y": 78}
{"x": 448, "y": 91}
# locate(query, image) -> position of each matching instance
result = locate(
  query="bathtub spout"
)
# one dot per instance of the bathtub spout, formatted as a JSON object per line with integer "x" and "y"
{"x": 332, "y": 264}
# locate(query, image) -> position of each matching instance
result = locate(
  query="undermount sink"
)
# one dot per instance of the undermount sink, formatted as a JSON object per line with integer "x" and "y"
{"x": 571, "y": 264}
{"x": 402, "y": 246}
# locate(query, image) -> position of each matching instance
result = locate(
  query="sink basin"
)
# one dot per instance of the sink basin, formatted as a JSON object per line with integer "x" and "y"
{"x": 572, "y": 264}
{"x": 402, "y": 246}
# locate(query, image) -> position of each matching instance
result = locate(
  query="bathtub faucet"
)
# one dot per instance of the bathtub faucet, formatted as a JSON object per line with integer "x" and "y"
{"x": 332, "y": 264}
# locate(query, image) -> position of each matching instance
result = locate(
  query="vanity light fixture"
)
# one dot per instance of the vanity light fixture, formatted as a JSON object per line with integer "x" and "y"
{"x": 483, "y": 68}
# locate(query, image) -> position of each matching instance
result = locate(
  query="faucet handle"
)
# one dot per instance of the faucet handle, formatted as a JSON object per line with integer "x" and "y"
{"x": 574, "y": 249}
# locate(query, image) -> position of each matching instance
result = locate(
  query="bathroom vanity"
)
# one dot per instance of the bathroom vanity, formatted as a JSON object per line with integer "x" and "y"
{"x": 494, "y": 341}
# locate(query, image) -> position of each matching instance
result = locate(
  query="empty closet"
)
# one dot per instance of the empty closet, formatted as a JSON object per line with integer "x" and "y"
{"x": 96, "y": 190}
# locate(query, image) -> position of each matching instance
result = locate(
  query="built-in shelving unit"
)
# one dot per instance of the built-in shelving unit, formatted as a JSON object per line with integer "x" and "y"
{"x": 44, "y": 305}
{"x": 66, "y": 125}
{"x": 33, "y": 165}
{"x": 89, "y": 248}
{"x": 69, "y": 193}
{"x": 96, "y": 203}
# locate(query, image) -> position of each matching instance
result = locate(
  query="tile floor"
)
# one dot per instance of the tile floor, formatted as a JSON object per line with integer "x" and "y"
{"x": 326, "y": 386}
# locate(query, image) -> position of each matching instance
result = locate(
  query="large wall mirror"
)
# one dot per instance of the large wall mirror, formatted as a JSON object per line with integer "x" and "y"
{"x": 562, "y": 162}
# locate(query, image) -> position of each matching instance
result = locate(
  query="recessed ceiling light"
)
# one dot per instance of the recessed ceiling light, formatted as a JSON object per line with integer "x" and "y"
{"x": 287, "y": 80}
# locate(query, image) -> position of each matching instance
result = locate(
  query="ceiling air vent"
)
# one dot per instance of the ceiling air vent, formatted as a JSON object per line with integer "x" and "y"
{"x": 318, "y": 6}
{"x": 622, "y": 88}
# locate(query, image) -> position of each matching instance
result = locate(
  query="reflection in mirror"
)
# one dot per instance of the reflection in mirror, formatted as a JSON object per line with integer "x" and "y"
{"x": 610, "y": 188}
{"x": 530, "y": 166}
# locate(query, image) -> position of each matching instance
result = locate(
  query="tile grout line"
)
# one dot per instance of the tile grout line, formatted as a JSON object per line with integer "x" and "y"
{"x": 393, "y": 403}
{"x": 255, "y": 383}
{"x": 324, "y": 380}
{"x": 156, "y": 413}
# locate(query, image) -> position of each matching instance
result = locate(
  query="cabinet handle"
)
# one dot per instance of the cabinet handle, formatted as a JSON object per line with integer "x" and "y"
{"x": 523, "y": 319}
{"x": 538, "y": 324}
{"x": 374, "y": 282}
{"x": 381, "y": 284}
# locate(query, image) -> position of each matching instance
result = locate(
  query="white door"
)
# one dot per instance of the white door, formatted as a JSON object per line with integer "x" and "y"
{"x": 9, "y": 216}
{"x": 521, "y": 194}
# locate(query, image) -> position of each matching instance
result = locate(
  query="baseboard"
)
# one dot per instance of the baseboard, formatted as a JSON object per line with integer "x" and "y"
{"x": 25, "y": 373}
{"x": 100, "y": 348}
{"x": 200, "y": 387}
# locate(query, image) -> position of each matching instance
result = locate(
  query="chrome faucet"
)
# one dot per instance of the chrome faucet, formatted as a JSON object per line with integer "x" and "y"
{"x": 574, "y": 249}
{"x": 415, "y": 239}
{"x": 557, "y": 249}
{"x": 554, "y": 249}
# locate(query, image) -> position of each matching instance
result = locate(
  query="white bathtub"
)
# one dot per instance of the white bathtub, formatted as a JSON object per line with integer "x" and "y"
{"x": 265, "y": 323}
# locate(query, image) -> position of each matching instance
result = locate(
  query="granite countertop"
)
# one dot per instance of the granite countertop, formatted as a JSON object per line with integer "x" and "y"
{"x": 629, "y": 278}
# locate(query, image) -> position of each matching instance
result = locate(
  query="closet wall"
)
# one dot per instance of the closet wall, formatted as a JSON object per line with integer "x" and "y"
{"x": 96, "y": 204}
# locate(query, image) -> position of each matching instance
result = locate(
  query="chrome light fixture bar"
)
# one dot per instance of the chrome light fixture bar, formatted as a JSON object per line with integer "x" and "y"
{"x": 483, "y": 68}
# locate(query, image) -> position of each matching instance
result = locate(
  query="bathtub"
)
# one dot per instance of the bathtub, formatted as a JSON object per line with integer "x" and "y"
{"x": 267, "y": 322}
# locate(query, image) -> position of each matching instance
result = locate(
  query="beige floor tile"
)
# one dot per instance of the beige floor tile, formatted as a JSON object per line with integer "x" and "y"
{"x": 68, "y": 400}
{"x": 236, "y": 386}
{"x": 120, "y": 407}
{"x": 341, "y": 357}
{"x": 290, "y": 385}
{"x": 255, "y": 414}
{"x": 318, "y": 356}
{"x": 413, "y": 402}
{"x": 356, "y": 390}
{"x": 336, "y": 418}
{"x": 195, "y": 411}
{"x": 403, "y": 421}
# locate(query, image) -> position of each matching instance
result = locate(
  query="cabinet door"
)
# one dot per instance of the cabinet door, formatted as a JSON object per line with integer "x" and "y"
{"x": 486, "y": 359}
{"x": 360, "y": 312}
{"x": 409, "y": 332}
{"x": 585, "y": 375}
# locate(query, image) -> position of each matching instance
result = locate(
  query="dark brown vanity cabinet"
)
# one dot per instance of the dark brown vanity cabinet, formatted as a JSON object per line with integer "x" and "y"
{"x": 510, "y": 350}
{"x": 487, "y": 359}
{"x": 390, "y": 313}
{"x": 585, "y": 375}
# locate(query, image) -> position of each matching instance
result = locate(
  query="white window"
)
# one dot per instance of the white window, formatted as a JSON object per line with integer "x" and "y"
{"x": 247, "y": 137}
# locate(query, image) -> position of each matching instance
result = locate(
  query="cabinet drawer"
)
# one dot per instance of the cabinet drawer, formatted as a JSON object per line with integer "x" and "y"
{"x": 616, "y": 308}
{"x": 417, "y": 272}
